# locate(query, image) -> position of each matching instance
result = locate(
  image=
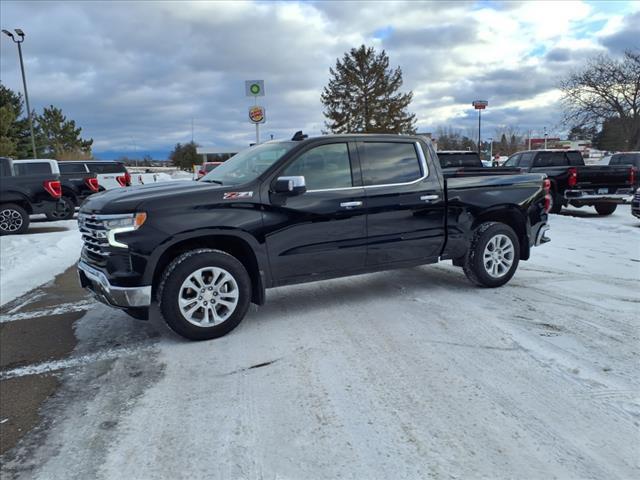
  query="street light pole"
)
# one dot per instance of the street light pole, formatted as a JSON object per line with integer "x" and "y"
{"x": 20, "y": 33}
{"x": 545, "y": 138}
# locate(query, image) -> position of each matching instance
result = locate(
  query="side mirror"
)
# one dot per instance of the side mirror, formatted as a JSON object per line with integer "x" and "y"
{"x": 290, "y": 185}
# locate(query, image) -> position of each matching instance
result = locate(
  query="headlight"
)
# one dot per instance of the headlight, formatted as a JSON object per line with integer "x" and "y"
{"x": 123, "y": 223}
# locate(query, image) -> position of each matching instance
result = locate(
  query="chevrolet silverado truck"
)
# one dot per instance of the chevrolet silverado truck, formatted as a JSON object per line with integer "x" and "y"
{"x": 25, "y": 191}
{"x": 574, "y": 183}
{"x": 287, "y": 212}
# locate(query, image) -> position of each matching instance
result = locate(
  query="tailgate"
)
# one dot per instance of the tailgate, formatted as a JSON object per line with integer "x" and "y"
{"x": 602, "y": 176}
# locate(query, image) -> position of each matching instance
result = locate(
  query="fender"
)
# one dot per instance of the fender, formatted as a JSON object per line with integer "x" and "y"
{"x": 257, "y": 248}
{"x": 14, "y": 196}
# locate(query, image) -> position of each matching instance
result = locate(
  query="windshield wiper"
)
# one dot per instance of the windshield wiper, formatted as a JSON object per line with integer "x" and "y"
{"x": 213, "y": 181}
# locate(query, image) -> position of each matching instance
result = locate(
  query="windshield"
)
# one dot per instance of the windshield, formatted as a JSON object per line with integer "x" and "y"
{"x": 247, "y": 165}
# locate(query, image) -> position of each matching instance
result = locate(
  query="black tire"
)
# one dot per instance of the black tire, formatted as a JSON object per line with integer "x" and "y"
{"x": 13, "y": 219}
{"x": 183, "y": 267}
{"x": 64, "y": 212}
{"x": 605, "y": 208}
{"x": 474, "y": 266}
{"x": 556, "y": 203}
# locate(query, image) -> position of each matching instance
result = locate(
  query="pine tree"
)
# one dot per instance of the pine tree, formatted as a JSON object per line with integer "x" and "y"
{"x": 16, "y": 135}
{"x": 62, "y": 139}
{"x": 363, "y": 95}
{"x": 185, "y": 156}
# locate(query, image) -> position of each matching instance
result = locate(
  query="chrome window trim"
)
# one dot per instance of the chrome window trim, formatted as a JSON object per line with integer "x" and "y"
{"x": 421, "y": 160}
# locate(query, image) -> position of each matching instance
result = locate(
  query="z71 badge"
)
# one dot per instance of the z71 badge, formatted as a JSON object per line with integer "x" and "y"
{"x": 236, "y": 195}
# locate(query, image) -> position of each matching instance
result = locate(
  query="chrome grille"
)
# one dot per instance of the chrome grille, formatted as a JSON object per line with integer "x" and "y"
{"x": 94, "y": 236}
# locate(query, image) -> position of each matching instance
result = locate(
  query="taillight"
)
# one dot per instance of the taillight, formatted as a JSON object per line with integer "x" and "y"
{"x": 92, "y": 183}
{"x": 546, "y": 184}
{"x": 572, "y": 181}
{"x": 53, "y": 188}
{"x": 632, "y": 176}
{"x": 124, "y": 180}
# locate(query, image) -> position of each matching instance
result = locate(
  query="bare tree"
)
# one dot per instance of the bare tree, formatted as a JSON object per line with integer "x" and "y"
{"x": 507, "y": 139}
{"x": 606, "y": 89}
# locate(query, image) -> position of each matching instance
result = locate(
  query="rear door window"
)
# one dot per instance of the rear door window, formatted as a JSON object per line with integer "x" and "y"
{"x": 388, "y": 163}
{"x": 5, "y": 167}
{"x": 105, "y": 167}
{"x": 32, "y": 168}
{"x": 72, "y": 167}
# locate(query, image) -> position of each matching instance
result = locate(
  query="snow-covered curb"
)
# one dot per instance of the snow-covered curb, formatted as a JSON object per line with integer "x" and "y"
{"x": 32, "y": 259}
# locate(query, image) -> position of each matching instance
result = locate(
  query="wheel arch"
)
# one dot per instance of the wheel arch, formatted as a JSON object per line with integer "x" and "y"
{"x": 232, "y": 244}
{"x": 513, "y": 218}
{"x": 18, "y": 199}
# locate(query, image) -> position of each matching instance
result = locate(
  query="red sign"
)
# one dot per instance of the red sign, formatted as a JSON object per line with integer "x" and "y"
{"x": 480, "y": 104}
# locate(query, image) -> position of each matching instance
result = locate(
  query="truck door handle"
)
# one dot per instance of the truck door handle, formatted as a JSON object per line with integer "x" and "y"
{"x": 429, "y": 198}
{"x": 350, "y": 204}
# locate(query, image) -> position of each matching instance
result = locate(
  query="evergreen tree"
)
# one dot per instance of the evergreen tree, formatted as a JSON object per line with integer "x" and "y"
{"x": 363, "y": 95}
{"x": 16, "y": 139}
{"x": 62, "y": 139}
{"x": 185, "y": 156}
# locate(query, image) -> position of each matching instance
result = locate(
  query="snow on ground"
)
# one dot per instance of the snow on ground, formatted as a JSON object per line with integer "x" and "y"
{"x": 34, "y": 258}
{"x": 411, "y": 373}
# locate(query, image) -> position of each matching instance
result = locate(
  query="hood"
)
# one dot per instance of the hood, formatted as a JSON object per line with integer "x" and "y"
{"x": 128, "y": 199}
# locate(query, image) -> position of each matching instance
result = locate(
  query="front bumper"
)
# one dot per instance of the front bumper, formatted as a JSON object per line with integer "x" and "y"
{"x": 121, "y": 297}
{"x": 592, "y": 196}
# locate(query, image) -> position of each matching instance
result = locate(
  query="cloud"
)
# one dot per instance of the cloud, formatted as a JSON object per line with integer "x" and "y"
{"x": 140, "y": 72}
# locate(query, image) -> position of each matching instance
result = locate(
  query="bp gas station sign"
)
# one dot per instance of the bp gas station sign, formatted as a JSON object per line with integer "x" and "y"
{"x": 254, "y": 88}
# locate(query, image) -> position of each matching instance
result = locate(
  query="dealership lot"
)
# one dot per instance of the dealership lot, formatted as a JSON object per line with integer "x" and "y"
{"x": 403, "y": 374}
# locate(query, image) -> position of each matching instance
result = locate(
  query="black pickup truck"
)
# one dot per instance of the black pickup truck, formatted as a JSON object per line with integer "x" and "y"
{"x": 287, "y": 212}
{"x": 467, "y": 163}
{"x": 574, "y": 183}
{"x": 77, "y": 185}
{"x": 24, "y": 194}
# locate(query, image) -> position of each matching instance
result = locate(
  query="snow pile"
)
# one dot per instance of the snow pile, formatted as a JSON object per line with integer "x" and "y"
{"x": 29, "y": 260}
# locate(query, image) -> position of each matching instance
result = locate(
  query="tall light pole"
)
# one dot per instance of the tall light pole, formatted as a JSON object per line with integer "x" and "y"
{"x": 545, "y": 138}
{"x": 20, "y": 34}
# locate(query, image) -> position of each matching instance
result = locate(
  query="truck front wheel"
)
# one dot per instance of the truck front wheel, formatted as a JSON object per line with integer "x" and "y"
{"x": 493, "y": 256}
{"x": 605, "y": 208}
{"x": 13, "y": 219}
{"x": 204, "y": 294}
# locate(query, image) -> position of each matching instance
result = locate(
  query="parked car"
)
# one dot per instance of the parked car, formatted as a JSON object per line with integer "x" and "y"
{"x": 577, "y": 184}
{"x": 206, "y": 167}
{"x": 297, "y": 211}
{"x": 635, "y": 204}
{"x": 110, "y": 174}
{"x": 26, "y": 187}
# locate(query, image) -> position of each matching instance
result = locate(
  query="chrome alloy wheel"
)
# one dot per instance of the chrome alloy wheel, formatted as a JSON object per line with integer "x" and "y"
{"x": 498, "y": 256}
{"x": 208, "y": 296}
{"x": 10, "y": 220}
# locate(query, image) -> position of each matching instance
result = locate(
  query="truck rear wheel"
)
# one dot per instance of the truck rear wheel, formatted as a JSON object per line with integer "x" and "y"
{"x": 64, "y": 211}
{"x": 605, "y": 208}
{"x": 493, "y": 256}
{"x": 13, "y": 219}
{"x": 204, "y": 294}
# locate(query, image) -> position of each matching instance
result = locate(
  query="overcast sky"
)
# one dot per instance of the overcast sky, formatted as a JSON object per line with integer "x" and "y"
{"x": 135, "y": 74}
